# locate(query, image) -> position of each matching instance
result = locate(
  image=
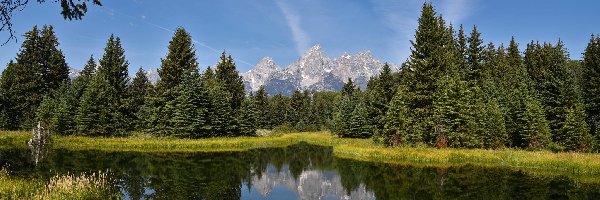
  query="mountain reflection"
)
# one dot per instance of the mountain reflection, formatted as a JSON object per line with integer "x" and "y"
{"x": 299, "y": 171}
{"x": 311, "y": 184}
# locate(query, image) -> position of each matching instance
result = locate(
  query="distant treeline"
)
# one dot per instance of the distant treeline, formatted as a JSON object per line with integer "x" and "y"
{"x": 453, "y": 91}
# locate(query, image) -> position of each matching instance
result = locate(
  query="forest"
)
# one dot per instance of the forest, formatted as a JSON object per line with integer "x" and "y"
{"x": 454, "y": 91}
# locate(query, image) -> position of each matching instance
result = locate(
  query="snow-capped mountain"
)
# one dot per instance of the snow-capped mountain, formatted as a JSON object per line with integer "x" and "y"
{"x": 313, "y": 71}
{"x": 73, "y": 73}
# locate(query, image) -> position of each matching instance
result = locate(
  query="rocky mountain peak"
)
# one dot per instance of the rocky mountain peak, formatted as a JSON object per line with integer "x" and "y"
{"x": 313, "y": 71}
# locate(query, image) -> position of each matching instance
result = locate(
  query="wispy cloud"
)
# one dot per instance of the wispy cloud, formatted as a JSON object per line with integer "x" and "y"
{"x": 402, "y": 18}
{"x": 143, "y": 18}
{"x": 294, "y": 22}
{"x": 455, "y": 11}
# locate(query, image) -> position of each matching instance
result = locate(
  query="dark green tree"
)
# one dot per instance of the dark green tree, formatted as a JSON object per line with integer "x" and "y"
{"x": 247, "y": 118}
{"x": 98, "y": 113}
{"x": 475, "y": 56}
{"x": 397, "y": 129}
{"x": 261, "y": 103}
{"x": 222, "y": 116}
{"x": 359, "y": 126}
{"x": 114, "y": 67}
{"x": 591, "y": 83}
{"x": 179, "y": 62}
{"x": 138, "y": 90}
{"x": 349, "y": 88}
{"x": 227, "y": 74}
{"x": 39, "y": 69}
{"x": 89, "y": 70}
{"x": 191, "y": 112}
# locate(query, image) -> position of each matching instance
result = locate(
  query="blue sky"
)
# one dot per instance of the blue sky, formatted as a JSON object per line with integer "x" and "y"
{"x": 252, "y": 29}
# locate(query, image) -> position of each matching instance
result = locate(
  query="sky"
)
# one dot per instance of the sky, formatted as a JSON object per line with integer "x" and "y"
{"x": 252, "y": 29}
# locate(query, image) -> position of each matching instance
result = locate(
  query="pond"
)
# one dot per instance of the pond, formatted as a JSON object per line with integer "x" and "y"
{"x": 299, "y": 171}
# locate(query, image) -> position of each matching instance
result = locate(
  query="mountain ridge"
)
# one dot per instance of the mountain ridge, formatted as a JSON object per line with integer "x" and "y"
{"x": 313, "y": 71}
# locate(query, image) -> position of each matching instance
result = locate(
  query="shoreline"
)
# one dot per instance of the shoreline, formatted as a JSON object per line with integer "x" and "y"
{"x": 542, "y": 162}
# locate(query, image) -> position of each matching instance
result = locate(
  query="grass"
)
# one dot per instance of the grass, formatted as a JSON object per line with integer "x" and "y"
{"x": 70, "y": 186}
{"x": 544, "y": 162}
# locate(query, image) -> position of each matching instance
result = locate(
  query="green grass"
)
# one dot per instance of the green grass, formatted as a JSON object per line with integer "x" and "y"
{"x": 542, "y": 162}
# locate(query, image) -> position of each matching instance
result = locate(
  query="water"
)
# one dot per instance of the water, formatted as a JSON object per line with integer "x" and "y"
{"x": 297, "y": 172}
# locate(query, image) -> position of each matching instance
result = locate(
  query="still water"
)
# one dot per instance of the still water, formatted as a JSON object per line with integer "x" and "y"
{"x": 300, "y": 171}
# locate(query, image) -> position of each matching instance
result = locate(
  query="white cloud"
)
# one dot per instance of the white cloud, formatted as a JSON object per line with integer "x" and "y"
{"x": 402, "y": 18}
{"x": 454, "y": 11}
{"x": 293, "y": 20}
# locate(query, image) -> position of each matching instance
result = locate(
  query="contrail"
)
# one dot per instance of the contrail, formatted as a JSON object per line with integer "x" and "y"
{"x": 111, "y": 11}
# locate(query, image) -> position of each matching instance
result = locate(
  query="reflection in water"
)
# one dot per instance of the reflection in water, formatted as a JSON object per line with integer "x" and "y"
{"x": 298, "y": 172}
{"x": 311, "y": 184}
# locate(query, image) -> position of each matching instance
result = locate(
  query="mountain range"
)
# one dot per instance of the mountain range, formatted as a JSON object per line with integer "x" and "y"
{"x": 313, "y": 71}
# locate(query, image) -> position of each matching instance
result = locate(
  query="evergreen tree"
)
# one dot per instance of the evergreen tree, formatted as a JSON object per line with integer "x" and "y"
{"x": 433, "y": 54}
{"x": 180, "y": 61}
{"x": 138, "y": 90}
{"x": 40, "y": 68}
{"x": 190, "y": 115}
{"x": 475, "y": 58}
{"x": 279, "y": 110}
{"x": 342, "y": 115}
{"x": 89, "y": 70}
{"x": 54, "y": 69}
{"x": 380, "y": 91}
{"x": 591, "y": 83}
{"x": 349, "y": 88}
{"x": 535, "y": 132}
{"x": 222, "y": 119}
{"x": 359, "y": 125}
{"x": 261, "y": 102}
{"x": 397, "y": 128}
{"x": 227, "y": 74}
{"x": 97, "y": 114}
{"x": 247, "y": 118}
{"x": 114, "y": 67}
{"x": 575, "y": 135}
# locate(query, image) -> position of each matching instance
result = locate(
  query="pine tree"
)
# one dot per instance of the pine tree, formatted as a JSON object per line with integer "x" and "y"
{"x": 279, "y": 110}
{"x": 180, "y": 60}
{"x": 89, "y": 70}
{"x": 475, "y": 58}
{"x": 138, "y": 90}
{"x": 227, "y": 74}
{"x": 190, "y": 115}
{"x": 114, "y": 67}
{"x": 535, "y": 130}
{"x": 40, "y": 68}
{"x": 575, "y": 135}
{"x": 247, "y": 118}
{"x": 223, "y": 121}
{"x": 97, "y": 114}
{"x": 591, "y": 83}
{"x": 397, "y": 128}
{"x": 53, "y": 65}
{"x": 380, "y": 91}
{"x": 342, "y": 115}
{"x": 349, "y": 88}
{"x": 434, "y": 53}
{"x": 359, "y": 126}
{"x": 261, "y": 102}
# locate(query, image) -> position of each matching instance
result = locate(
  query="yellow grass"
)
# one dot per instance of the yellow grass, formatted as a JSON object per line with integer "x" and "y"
{"x": 358, "y": 149}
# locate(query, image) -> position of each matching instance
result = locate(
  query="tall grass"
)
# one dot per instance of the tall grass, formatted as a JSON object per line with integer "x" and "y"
{"x": 69, "y": 186}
